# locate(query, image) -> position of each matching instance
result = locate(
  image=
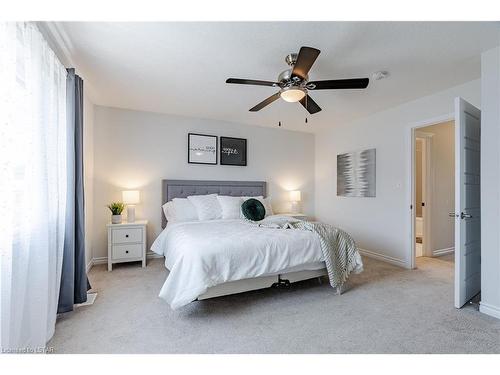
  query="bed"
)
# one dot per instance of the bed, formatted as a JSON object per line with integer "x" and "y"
{"x": 213, "y": 258}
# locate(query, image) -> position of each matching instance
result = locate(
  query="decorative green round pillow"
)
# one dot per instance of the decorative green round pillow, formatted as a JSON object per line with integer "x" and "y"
{"x": 253, "y": 209}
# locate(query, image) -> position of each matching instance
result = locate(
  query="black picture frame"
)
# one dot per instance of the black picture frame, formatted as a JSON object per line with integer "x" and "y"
{"x": 233, "y": 151}
{"x": 194, "y": 140}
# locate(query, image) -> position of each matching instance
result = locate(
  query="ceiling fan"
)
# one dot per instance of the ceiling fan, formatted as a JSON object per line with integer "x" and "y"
{"x": 294, "y": 82}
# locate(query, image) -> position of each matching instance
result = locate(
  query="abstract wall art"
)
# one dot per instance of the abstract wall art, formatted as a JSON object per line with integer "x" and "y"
{"x": 356, "y": 174}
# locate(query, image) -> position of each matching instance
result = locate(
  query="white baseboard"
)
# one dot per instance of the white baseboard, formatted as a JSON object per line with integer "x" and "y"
{"x": 99, "y": 260}
{"x": 490, "y": 310}
{"x": 104, "y": 260}
{"x": 440, "y": 252}
{"x": 368, "y": 253}
{"x": 384, "y": 258}
{"x": 89, "y": 266}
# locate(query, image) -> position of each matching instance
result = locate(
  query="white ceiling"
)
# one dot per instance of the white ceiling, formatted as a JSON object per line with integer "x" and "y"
{"x": 181, "y": 68}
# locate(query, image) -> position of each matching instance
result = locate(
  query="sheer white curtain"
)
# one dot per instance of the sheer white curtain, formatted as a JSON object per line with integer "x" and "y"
{"x": 32, "y": 186}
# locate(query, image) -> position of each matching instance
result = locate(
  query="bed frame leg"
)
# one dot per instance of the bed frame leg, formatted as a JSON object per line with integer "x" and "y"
{"x": 281, "y": 284}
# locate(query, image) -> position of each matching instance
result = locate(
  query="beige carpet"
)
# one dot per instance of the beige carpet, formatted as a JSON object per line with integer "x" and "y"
{"x": 386, "y": 310}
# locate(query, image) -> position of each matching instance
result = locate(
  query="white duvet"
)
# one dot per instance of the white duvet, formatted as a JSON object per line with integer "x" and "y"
{"x": 202, "y": 254}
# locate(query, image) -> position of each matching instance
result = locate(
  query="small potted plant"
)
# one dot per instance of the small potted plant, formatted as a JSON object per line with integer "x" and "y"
{"x": 116, "y": 209}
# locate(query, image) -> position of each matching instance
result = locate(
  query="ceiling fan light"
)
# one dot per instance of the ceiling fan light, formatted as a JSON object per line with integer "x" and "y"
{"x": 292, "y": 94}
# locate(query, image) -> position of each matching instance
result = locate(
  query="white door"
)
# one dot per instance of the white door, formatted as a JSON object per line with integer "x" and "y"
{"x": 467, "y": 202}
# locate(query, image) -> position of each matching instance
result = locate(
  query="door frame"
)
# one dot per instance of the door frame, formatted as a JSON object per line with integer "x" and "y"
{"x": 427, "y": 183}
{"x": 411, "y": 177}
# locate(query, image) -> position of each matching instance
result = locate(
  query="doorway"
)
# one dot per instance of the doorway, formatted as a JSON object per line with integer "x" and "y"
{"x": 423, "y": 177}
{"x": 464, "y": 214}
{"x": 433, "y": 179}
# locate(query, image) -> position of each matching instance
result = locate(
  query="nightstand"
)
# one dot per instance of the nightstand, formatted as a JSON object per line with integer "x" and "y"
{"x": 296, "y": 216}
{"x": 127, "y": 243}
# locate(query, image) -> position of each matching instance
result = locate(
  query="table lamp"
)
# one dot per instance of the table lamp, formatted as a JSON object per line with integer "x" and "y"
{"x": 295, "y": 199}
{"x": 131, "y": 198}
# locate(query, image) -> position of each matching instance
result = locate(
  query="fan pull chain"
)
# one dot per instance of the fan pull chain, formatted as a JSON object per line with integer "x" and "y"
{"x": 307, "y": 108}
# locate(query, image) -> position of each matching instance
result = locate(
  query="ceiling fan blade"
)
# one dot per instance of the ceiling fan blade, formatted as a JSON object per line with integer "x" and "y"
{"x": 336, "y": 84}
{"x": 265, "y": 102}
{"x": 305, "y": 60}
{"x": 309, "y": 104}
{"x": 251, "y": 82}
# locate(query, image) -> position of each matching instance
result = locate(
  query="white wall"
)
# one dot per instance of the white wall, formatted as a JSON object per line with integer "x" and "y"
{"x": 382, "y": 224}
{"x": 88, "y": 169}
{"x": 490, "y": 183}
{"x": 136, "y": 150}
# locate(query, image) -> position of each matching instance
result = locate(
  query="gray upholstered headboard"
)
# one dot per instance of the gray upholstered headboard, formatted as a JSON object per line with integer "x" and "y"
{"x": 171, "y": 189}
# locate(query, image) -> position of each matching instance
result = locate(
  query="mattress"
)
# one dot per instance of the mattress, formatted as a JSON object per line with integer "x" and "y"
{"x": 203, "y": 254}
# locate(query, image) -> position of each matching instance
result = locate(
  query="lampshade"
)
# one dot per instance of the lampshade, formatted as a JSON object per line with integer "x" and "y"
{"x": 131, "y": 196}
{"x": 295, "y": 196}
{"x": 292, "y": 94}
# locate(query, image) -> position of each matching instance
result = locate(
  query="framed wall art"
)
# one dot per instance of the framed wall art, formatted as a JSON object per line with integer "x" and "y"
{"x": 356, "y": 174}
{"x": 202, "y": 149}
{"x": 233, "y": 151}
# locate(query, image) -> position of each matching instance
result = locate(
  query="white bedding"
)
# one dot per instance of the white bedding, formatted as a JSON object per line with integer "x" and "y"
{"x": 203, "y": 254}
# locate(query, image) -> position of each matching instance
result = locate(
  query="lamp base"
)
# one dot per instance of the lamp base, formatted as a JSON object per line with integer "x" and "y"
{"x": 295, "y": 207}
{"x": 131, "y": 213}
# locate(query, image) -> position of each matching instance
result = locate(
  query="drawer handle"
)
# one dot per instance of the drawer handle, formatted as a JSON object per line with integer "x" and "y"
{"x": 126, "y": 236}
{"x": 126, "y": 251}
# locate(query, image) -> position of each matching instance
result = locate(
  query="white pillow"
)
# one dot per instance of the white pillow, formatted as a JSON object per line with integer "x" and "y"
{"x": 180, "y": 209}
{"x": 184, "y": 210}
{"x": 168, "y": 210}
{"x": 230, "y": 206}
{"x": 207, "y": 206}
{"x": 266, "y": 202}
{"x": 268, "y": 206}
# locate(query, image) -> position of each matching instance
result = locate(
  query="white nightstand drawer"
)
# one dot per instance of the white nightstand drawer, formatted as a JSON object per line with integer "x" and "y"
{"x": 127, "y": 235}
{"x": 127, "y": 251}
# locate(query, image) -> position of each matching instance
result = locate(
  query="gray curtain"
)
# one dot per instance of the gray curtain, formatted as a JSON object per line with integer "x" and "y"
{"x": 74, "y": 282}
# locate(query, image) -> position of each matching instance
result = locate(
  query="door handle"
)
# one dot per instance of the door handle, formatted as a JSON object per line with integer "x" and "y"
{"x": 461, "y": 216}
